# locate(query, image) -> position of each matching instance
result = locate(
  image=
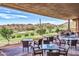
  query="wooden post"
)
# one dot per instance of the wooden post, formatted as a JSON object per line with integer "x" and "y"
{"x": 77, "y": 26}
{"x": 69, "y": 25}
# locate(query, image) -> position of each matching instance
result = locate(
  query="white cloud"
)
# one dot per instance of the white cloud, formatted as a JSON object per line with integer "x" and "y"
{"x": 7, "y": 11}
{"x": 4, "y": 16}
{"x": 21, "y": 16}
{"x": 10, "y": 16}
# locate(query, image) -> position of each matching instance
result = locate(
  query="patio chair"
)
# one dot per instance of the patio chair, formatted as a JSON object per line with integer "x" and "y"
{"x": 51, "y": 39}
{"x": 40, "y": 42}
{"x": 35, "y": 43}
{"x": 37, "y": 51}
{"x": 67, "y": 34}
{"x": 50, "y": 53}
{"x": 64, "y": 50}
{"x": 25, "y": 45}
{"x": 73, "y": 43}
{"x": 46, "y": 42}
{"x": 61, "y": 42}
{"x": 72, "y": 33}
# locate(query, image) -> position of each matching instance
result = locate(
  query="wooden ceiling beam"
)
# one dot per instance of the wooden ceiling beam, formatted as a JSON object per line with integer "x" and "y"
{"x": 57, "y": 10}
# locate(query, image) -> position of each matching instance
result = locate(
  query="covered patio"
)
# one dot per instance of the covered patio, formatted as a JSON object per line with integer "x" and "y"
{"x": 62, "y": 11}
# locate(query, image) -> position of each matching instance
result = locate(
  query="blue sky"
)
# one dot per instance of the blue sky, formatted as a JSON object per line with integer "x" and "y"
{"x": 12, "y": 16}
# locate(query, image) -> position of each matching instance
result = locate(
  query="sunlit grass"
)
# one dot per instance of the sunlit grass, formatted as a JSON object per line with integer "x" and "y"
{"x": 15, "y": 40}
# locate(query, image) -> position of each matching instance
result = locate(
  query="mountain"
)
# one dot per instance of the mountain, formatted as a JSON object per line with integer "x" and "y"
{"x": 22, "y": 27}
{"x": 72, "y": 26}
{"x": 26, "y": 26}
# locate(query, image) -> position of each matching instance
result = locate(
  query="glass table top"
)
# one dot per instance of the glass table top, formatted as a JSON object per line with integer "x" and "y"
{"x": 49, "y": 46}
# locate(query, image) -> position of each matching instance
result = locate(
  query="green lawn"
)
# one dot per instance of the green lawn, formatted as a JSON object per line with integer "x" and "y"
{"x": 15, "y": 40}
{"x": 18, "y": 36}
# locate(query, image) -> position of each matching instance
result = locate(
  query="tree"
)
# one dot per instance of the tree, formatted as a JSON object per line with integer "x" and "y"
{"x": 6, "y": 33}
{"x": 57, "y": 30}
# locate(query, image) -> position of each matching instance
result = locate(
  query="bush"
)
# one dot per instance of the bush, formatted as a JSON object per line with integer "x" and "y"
{"x": 19, "y": 36}
{"x": 46, "y": 32}
{"x": 13, "y": 36}
{"x": 32, "y": 34}
{"x": 52, "y": 31}
{"x": 41, "y": 31}
{"x": 26, "y": 35}
{"x": 57, "y": 30}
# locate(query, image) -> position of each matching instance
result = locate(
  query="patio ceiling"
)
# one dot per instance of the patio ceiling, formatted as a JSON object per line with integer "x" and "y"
{"x": 57, "y": 10}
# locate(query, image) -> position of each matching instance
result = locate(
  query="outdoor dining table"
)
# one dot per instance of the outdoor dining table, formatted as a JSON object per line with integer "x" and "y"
{"x": 28, "y": 39}
{"x": 49, "y": 47}
{"x": 69, "y": 39}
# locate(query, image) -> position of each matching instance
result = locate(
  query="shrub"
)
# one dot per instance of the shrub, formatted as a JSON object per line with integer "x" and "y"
{"x": 46, "y": 32}
{"x": 32, "y": 34}
{"x": 19, "y": 36}
{"x": 13, "y": 36}
{"x": 41, "y": 31}
{"x": 52, "y": 31}
{"x": 26, "y": 34}
{"x": 57, "y": 30}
